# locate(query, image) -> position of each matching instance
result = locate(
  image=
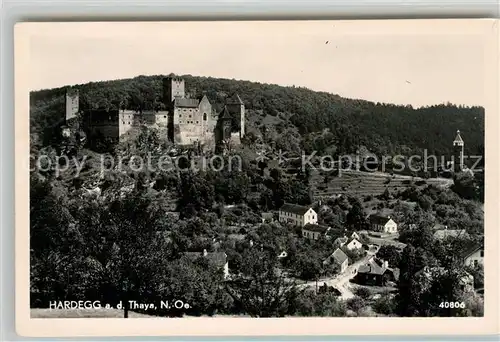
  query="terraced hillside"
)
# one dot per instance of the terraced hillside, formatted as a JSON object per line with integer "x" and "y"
{"x": 367, "y": 183}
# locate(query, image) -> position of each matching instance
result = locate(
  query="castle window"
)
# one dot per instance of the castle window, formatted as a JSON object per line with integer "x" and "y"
{"x": 129, "y": 123}
{"x": 205, "y": 116}
{"x": 197, "y": 122}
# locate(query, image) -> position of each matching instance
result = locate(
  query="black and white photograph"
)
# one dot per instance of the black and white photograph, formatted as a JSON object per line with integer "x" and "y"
{"x": 255, "y": 170}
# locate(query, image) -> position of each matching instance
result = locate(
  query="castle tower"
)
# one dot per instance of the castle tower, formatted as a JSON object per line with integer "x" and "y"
{"x": 173, "y": 88}
{"x": 72, "y": 104}
{"x": 236, "y": 105}
{"x": 225, "y": 124}
{"x": 458, "y": 153}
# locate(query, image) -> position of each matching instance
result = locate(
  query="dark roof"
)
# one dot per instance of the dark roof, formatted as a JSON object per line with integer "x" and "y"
{"x": 316, "y": 228}
{"x": 473, "y": 248}
{"x": 373, "y": 266}
{"x": 186, "y": 103}
{"x": 294, "y": 208}
{"x": 234, "y": 99}
{"x": 341, "y": 240}
{"x": 379, "y": 220}
{"x": 339, "y": 256}
{"x": 215, "y": 258}
{"x": 458, "y": 138}
{"x": 224, "y": 114}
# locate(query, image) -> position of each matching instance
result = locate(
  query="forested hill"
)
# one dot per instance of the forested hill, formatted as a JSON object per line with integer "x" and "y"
{"x": 292, "y": 116}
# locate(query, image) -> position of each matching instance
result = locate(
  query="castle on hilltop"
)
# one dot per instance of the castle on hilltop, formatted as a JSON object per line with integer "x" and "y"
{"x": 185, "y": 120}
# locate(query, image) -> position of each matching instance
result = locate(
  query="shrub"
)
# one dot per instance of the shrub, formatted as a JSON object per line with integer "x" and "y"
{"x": 363, "y": 292}
{"x": 384, "y": 305}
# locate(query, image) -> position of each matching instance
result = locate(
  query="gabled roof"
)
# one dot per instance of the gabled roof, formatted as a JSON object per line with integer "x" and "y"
{"x": 234, "y": 99}
{"x": 446, "y": 233}
{"x": 352, "y": 240}
{"x": 216, "y": 258}
{"x": 379, "y": 220}
{"x": 373, "y": 266}
{"x": 340, "y": 241}
{"x": 473, "y": 248}
{"x": 294, "y": 208}
{"x": 316, "y": 228}
{"x": 186, "y": 103}
{"x": 339, "y": 256}
{"x": 224, "y": 114}
{"x": 458, "y": 138}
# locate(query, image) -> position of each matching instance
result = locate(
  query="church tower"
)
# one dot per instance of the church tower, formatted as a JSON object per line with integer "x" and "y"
{"x": 458, "y": 153}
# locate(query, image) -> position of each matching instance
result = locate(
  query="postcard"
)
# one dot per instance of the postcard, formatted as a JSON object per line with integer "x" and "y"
{"x": 256, "y": 178}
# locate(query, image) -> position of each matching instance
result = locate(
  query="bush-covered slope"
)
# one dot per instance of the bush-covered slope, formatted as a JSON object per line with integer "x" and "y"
{"x": 298, "y": 114}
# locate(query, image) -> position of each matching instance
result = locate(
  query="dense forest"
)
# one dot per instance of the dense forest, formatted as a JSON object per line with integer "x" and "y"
{"x": 289, "y": 116}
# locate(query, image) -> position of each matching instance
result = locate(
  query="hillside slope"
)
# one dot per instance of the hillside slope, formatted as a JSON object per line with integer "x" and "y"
{"x": 290, "y": 117}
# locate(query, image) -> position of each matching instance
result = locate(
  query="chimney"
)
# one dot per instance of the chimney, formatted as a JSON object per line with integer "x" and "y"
{"x": 205, "y": 252}
{"x": 386, "y": 264}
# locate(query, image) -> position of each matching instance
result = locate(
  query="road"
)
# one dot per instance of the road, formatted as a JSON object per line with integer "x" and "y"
{"x": 341, "y": 281}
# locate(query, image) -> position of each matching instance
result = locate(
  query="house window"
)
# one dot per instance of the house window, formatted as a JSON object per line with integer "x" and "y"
{"x": 164, "y": 116}
{"x": 476, "y": 263}
{"x": 481, "y": 254}
{"x": 205, "y": 116}
{"x": 197, "y": 122}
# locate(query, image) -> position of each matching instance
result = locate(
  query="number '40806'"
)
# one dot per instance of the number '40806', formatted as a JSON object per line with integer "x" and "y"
{"x": 452, "y": 305}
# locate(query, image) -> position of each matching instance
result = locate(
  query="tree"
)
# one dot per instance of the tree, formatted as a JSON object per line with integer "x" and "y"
{"x": 356, "y": 217}
{"x": 262, "y": 290}
{"x": 308, "y": 266}
{"x": 391, "y": 254}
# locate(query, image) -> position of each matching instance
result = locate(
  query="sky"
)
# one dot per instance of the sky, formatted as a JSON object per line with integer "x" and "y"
{"x": 401, "y": 62}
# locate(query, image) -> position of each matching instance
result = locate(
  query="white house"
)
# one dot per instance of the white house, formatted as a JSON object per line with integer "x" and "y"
{"x": 474, "y": 256}
{"x": 338, "y": 258}
{"x": 297, "y": 215}
{"x": 349, "y": 243}
{"x": 355, "y": 235}
{"x": 384, "y": 224}
{"x": 314, "y": 231}
{"x": 354, "y": 244}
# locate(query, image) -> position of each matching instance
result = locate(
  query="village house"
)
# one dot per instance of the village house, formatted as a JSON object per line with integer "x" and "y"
{"x": 443, "y": 234}
{"x": 297, "y": 215}
{"x": 355, "y": 235}
{"x": 339, "y": 259}
{"x": 218, "y": 259}
{"x": 473, "y": 256}
{"x": 383, "y": 224}
{"x": 267, "y": 217}
{"x": 314, "y": 231}
{"x": 376, "y": 272}
{"x": 349, "y": 243}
